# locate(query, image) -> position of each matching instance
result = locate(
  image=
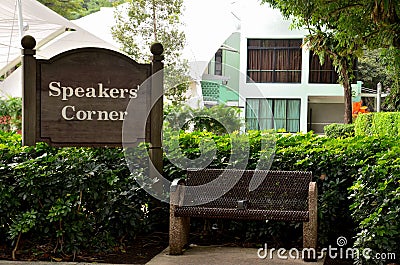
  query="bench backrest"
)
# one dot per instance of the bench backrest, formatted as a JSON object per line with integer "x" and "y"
{"x": 277, "y": 190}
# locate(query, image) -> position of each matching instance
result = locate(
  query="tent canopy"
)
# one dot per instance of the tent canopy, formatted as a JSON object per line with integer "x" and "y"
{"x": 53, "y": 33}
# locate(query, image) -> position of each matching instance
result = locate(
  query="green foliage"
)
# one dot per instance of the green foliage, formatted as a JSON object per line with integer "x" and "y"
{"x": 372, "y": 70}
{"x": 218, "y": 119}
{"x": 69, "y": 9}
{"x": 336, "y": 130}
{"x": 391, "y": 59}
{"x": 73, "y": 199}
{"x": 335, "y": 162}
{"x": 10, "y": 114}
{"x": 139, "y": 23}
{"x": 380, "y": 124}
{"x": 85, "y": 199}
{"x": 142, "y": 22}
{"x": 74, "y": 9}
{"x": 376, "y": 204}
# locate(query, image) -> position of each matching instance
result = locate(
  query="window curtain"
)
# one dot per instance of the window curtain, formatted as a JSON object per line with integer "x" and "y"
{"x": 266, "y": 117}
{"x": 274, "y": 60}
{"x": 293, "y": 115}
{"x": 252, "y": 109}
{"x": 325, "y": 73}
{"x": 265, "y": 114}
{"x": 280, "y": 113}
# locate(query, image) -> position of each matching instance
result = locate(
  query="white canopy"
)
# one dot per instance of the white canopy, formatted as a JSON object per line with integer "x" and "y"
{"x": 53, "y": 33}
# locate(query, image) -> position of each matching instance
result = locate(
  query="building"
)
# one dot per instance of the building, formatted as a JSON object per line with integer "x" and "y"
{"x": 266, "y": 69}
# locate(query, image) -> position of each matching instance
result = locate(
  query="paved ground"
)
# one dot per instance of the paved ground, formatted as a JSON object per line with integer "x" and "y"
{"x": 215, "y": 255}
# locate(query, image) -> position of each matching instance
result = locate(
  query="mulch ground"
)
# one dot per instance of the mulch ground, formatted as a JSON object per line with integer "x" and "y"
{"x": 139, "y": 252}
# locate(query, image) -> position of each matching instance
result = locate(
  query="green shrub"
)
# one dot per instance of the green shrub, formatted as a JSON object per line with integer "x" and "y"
{"x": 337, "y": 160}
{"x": 380, "y": 124}
{"x": 376, "y": 206}
{"x": 363, "y": 124}
{"x": 87, "y": 199}
{"x": 336, "y": 130}
{"x": 72, "y": 199}
{"x": 10, "y": 114}
{"x": 218, "y": 119}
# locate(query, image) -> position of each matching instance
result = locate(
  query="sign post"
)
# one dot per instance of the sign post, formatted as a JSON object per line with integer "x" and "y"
{"x": 29, "y": 91}
{"x": 156, "y": 114}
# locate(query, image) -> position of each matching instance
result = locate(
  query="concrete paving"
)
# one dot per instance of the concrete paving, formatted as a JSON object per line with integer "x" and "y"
{"x": 217, "y": 255}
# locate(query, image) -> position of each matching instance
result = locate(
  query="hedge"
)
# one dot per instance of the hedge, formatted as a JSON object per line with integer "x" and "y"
{"x": 376, "y": 206}
{"x": 336, "y": 130}
{"x": 79, "y": 199}
{"x": 379, "y": 124}
{"x": 70, "y": 199}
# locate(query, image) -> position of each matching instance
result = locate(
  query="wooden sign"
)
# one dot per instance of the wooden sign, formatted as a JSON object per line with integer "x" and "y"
{"x": 82, "y": 97}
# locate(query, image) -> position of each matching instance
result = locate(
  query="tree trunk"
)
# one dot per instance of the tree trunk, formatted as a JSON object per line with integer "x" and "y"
{"x": 348, "y": 105}
{"x": 154, "y": 21}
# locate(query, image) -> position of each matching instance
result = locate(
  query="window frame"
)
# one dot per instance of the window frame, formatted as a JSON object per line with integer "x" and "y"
{"x": 271, "y": 45}
{"x": 218, "y": 60}
{"x": 272, "y": 120}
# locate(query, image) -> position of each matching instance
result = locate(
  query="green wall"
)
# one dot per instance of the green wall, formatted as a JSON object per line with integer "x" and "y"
{"x": 230, "y": 70}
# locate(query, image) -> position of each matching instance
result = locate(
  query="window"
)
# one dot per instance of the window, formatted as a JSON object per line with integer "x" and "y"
{"x": 325, "y": 73}
{"x": 218, "y": 62}
{"x": 274, "y": 60}
{"x": 264, "y": 114}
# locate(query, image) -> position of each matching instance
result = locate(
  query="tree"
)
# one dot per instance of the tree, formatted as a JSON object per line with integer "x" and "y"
{"x": 143, "y": 22}
{"x": 74, "y": 9}
{"x": 327, "y": 44}
{"x": 342, "y": 28}
{"x": 69, "y": 9}
{"x": 391, "y": 59}
{"x": 371, "y": 69}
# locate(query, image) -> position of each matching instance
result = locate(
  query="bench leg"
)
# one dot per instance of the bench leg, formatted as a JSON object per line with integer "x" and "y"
{"x": 310, "y": 228}
{"x": 178, "y": 232}
{"x": 178, "y": 226}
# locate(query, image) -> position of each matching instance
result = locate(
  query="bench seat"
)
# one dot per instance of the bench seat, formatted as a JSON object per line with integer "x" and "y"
{"x": 248, "y": 214}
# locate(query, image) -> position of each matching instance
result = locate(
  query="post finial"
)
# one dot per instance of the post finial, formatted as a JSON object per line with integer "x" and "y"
{"x": 28, "y": 42}
{"x": 157, "y": 48}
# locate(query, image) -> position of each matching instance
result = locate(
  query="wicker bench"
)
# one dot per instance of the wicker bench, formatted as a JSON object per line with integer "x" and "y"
{"x": 280, "y": 195}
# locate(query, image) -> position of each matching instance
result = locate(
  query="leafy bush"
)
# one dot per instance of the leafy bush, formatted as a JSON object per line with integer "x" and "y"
{"x": 336, "y": 130}
{"x": 376, "y": 196}
{"x": 363, "y": 124}
{"x": 70, "y": 198}
{"x": 380, "y": 124}
{"x": 218, "y": 119}
{"x": 10, "y": 114}
{"x": 80, "y": 198}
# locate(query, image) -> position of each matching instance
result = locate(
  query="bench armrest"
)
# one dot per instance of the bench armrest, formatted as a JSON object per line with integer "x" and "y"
{"x": 175, "y": 183}
{"x": 177, "y": 191}
{"x": 312, "y": 198}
